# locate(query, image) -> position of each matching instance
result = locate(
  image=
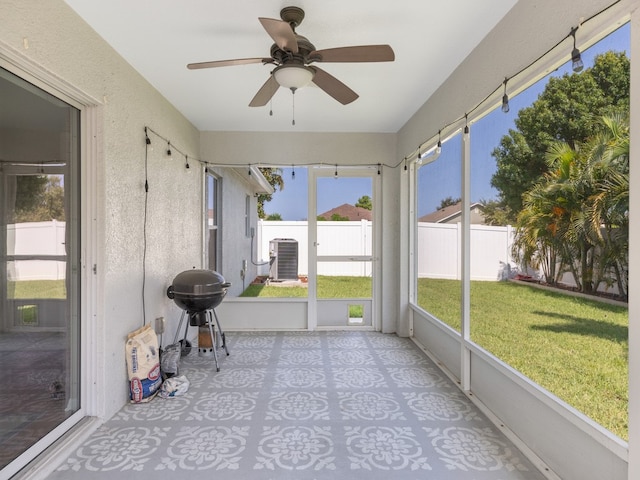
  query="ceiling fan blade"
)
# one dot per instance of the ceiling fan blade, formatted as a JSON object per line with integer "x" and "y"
{"x": 364, "y": 53}
{"x": 265, "y": 93}
{"x": 281, "y": 32}
{"x": 333, "y": 86}
{"x": 227, "y": 63}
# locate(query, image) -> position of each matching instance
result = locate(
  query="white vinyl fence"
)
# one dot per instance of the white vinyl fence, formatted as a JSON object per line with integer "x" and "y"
{"x": 36, "y": 251}
{"x": 438, "y": 248}
{"x": 334, "y": 238}
{"x": 439, "y": 255}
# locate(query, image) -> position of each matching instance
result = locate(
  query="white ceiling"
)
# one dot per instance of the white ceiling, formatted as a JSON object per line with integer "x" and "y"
{"x": 159, "y": 37}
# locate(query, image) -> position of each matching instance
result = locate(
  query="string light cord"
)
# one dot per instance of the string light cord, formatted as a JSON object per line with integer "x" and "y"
{"x": 509, "y": 78}
{"x": 144, "y": 225}
{"x": 207, "y": 164}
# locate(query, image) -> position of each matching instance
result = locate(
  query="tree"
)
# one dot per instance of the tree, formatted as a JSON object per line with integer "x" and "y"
{"x": 495, "y": 214}
{"x": 54, "y": 199}
{"x": 568, "y": 187}
{"x": 274, "y": 216}
{"x": 39, "y": 198}
{"x": 608, "y": 208}
{"x": 449, "y": 201}
{"x": 364, "y": 202}
{"x": 336, "y": 217}
{"x": 576, "y": 218}
{"x": 29, "y": 193}
{"x": 274, "y": 177}
{"x": 536, "y": 244}
{"x": 566, "y": 111}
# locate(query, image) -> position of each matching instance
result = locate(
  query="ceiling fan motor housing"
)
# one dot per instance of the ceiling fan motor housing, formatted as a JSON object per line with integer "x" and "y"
{"x": 292, "y": 15}
{"x": 305, "y": 47}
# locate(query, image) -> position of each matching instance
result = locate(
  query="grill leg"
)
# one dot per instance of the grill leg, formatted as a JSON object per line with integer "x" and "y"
{"x": 224, "y": 339}
{"x": 213, "y": 339}
{"x": 175, "y": 339}
{"x": 185, "y": 345}
{"x": 186, "y": 329}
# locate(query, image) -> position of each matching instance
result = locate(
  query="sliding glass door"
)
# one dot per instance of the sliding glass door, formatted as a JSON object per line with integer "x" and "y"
{"x": 39, "y": 266}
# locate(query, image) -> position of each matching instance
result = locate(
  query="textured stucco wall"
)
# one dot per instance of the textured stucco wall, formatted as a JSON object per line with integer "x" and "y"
{"x": 51, "y": 35}
{"x": 299, "y": 148}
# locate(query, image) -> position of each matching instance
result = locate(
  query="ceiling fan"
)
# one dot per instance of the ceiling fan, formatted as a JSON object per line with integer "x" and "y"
{"x": 293, "y": 56}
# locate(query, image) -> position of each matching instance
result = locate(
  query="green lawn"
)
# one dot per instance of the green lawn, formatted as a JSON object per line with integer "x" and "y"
{"x": 33, "y": 289}
{"x": 328, "y": 287}
{"x": 574, "y": 347}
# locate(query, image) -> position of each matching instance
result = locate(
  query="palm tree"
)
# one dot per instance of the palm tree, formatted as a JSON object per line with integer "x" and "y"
{"x": 608, "y": 208}
{"x": 536, "y": 243}
{"x": 576, "y": 217}
{"x": 569, "y": 183}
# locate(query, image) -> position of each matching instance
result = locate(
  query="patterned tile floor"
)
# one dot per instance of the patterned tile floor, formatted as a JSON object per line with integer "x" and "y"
{"x": 304, "y": 405}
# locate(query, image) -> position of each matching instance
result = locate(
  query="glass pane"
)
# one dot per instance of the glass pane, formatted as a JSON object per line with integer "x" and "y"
{"x": 574, "y": 346}
{"x": 39, "y": 314}
{"x": 212, "y": 222}
{"x": 36, "y": 342}
{"x": 281, "y": 237}
{"x": 438, "y": 243}
{"x": 212, "y": 189}
{"x": 345, "y": 229}
{"x": 213, "y": 241}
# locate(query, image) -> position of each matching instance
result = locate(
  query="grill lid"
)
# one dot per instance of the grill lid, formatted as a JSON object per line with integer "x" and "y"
{"x": 198, "y": 290}
{"x": 198, "y": 282}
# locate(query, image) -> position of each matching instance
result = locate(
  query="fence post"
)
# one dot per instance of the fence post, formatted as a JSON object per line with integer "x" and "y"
{"x": 363, "y": 244}
{"x": 509, "y": 243}
{"x": 258, "y": 245}
{"x": 459, "y": 251}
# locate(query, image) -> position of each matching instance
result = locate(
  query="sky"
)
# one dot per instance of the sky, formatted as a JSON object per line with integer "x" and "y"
{"x": 291, "y": 203}
{"x": 440, "y": 179}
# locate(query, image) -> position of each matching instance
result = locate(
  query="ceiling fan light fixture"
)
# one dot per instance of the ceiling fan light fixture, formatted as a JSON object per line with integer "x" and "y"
{"x": 293, "y": 76}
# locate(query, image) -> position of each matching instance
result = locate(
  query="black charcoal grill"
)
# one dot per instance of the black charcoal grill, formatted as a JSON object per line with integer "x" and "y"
{"x": 198, "y": 293}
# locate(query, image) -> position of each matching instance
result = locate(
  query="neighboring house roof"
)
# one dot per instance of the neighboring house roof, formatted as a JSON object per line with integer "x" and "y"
{"x": 452, "y": 213}
{"x": 349, "y": 211}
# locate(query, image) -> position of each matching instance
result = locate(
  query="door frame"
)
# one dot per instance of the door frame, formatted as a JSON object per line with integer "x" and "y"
{"x": 84, "y": 420}
{"x": 376, "y": 255}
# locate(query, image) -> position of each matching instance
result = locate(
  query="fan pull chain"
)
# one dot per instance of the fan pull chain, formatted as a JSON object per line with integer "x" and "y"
{"x": 271, "y": 108}
{"x": 293, "y": 96}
